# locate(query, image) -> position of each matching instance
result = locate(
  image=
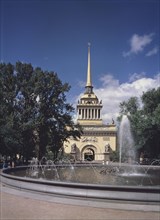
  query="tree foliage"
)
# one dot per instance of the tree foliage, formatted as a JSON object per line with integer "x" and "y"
{"x": 34, "y": 113}
{"x": 144, "y": 116}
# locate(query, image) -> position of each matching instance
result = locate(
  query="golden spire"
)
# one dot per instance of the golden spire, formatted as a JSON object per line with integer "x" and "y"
{"x": 89, "y": 82}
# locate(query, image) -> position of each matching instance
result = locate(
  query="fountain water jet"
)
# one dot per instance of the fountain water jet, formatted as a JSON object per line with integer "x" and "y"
{"x": 126, "y": 142}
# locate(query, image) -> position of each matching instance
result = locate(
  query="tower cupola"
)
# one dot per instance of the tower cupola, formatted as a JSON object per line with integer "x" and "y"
{"x": 89, "y": 107}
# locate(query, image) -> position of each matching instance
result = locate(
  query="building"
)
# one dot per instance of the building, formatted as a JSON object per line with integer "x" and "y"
{"x": 98, "y": 140}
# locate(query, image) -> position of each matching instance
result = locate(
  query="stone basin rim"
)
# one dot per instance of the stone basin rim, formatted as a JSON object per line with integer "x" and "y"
{"x": 81, "y": 191}
{"x": 5, "y": 173}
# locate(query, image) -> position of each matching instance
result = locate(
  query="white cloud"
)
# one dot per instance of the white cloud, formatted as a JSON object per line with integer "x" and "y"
{"x": 152, "y": 52}
{"x": 112, "y": 93}
{"x": 112, "y": 96}
{"x": 138, "y": 43}
{"x": 108, "y": 80}
{"x": 136, "y": 76}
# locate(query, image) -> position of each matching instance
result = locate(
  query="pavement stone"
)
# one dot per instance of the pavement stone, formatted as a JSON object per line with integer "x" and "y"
{"x": 18, "y": 205}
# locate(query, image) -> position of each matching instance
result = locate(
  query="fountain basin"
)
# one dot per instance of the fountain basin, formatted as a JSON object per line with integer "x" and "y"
{"x": 87, "y": 191}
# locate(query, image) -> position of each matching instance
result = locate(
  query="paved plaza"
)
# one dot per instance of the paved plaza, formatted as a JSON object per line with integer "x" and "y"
{"x": 17, "y": 204}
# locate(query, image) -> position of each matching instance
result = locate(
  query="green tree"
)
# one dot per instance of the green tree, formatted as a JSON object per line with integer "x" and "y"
{"x": 151, "y": 130}
{"x": 9, "y": 135}
{"x": 145, "y": 122}
{"x": 34, "y": 111}
{"x": 54, "y": 113}
{"x": 131, "y": 106}
{"x": 25, "y": 107}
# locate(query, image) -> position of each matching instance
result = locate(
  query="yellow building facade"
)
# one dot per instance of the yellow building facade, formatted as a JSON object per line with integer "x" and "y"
{"x": 98, "y": 140}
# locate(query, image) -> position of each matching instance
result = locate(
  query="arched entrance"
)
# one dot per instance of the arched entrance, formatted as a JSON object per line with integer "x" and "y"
{"x": 89, "y": 153}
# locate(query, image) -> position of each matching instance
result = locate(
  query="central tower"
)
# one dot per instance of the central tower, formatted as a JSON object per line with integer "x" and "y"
{"x": 89, "y": 107}
{"x": 98, "y": 140}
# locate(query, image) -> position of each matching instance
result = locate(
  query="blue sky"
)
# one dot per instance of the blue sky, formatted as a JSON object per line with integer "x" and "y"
{"x": 53, "y": 34}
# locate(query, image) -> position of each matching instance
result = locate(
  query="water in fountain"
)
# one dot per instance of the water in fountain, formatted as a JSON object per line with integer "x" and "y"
{"x": 66, "y": 170}
{"x": 110, "y": 174}
{"x": 126, "y": 142}
{"x": 33, "y": 170}
{"x": 50, "y": 170}
{"x": 148, "y": 172}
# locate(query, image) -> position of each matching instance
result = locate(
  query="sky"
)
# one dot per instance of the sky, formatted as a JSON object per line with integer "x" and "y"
{"x": 54, "y": 35}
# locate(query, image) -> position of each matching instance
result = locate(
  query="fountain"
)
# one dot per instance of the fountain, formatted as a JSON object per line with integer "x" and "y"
{"x": 89, "y": 181}
{"x": 110, "y": 174}
{"x": 126, "y": 142}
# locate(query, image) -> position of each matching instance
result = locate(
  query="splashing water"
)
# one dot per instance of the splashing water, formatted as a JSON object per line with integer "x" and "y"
{"x": 126, "y": 142}
{"x": 88, "y": 173}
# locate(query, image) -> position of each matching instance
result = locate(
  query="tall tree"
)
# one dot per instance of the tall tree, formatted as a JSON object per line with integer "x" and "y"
{"x": 151, "y": 110}
{"x": 54, "y": 113}
{"x": 34, "y": 111}
{"x": 145, "y": 121}
{"x": 9, "y": 135}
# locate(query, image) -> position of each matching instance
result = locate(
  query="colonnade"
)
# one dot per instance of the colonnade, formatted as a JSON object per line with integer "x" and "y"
{"x": 87, "y": 113}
